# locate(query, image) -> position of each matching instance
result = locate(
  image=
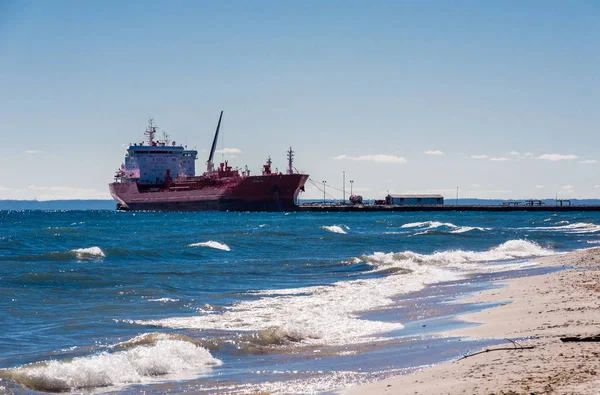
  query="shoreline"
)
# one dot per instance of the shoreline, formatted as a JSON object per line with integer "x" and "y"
{"x": 535, "y": 311}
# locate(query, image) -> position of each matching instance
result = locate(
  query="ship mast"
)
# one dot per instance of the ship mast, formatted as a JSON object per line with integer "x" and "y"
{"x": 150, "y": 132}
{"x": 290, "y": 157}
{"x": 209, "y": 164}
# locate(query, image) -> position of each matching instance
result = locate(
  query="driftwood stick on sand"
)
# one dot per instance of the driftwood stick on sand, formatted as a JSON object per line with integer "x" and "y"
{"x": 516, "y": 345}
{"x": 581, "y": 339}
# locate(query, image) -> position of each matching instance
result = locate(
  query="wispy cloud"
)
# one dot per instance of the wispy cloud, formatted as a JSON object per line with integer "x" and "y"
{"x": 33, "y": 151}
{"x": 490, "y": 158}
{"x": 596, "y": 186}
{"x": 539, "y": 186}
{"x": 229, "y": 151}
{"x": 515, "y": 153}
{"x": 567, "y": 187}
{"x": 557, "y": 157}
{"x": 529, "y": 154}
{"x": 435, "y": 152}
{"x": 374, "y": 158}
{"x": 589, "y": 161}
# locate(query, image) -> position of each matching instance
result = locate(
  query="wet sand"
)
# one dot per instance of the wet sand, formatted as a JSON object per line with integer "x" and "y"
{"x": 536, "y": 312}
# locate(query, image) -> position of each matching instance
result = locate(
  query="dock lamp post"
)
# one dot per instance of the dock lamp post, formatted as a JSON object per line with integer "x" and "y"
{"x": 457, "y": 196}
{"x": 324, "y": 182}
{"x": 351, "y": 182}
{"x": 344, "y": 188}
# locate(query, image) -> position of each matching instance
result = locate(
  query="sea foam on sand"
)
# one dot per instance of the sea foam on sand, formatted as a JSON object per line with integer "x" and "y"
{"x": 540, "y": 308}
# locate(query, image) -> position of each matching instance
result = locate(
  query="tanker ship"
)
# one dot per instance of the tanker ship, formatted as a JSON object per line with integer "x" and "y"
{"x": 160, "y": 175}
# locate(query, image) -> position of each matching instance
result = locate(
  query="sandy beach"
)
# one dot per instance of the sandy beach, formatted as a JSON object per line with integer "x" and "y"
{"x": 536, "y": 312}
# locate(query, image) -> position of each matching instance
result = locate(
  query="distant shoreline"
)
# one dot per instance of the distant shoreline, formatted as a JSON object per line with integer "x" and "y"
{"x": 76, "y": 204}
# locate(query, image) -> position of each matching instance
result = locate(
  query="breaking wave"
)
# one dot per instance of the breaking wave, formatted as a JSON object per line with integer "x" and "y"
{"x": 81, "y": 254}
{"x": 212, "y": 244}
{"x": 460, "y": 259}
{"x": 465, "y": 229}
{"x": 161, "y": 359}
{"x": 427, "y": 224}
{"x": 152, "y": 338}
{"x": 579, "y": 227}
{"x": 330, "y": 314}
{"x": 163, "y": 300}
{"x": 335, "y": 229}
{"x": 279, "y": 335}
{"x": 88, "y": 253}
{"x": 431, "y": 227}
{"x": 327, "y": 314}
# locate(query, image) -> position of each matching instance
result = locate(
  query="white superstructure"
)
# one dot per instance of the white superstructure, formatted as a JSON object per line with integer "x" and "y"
{"x": 150, "y": 164}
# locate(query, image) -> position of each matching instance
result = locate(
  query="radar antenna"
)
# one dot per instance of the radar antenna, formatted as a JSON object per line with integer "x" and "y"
{"x": 290, "y": 157}
{"x": 209, "y": 164}
{"x": 150, "y": 131}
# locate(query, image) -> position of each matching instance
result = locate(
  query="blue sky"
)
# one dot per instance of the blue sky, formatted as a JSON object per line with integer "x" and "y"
{"x": 498, "y": 98}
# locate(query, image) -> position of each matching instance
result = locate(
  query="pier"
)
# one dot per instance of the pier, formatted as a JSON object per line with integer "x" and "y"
{"x": 443, "y": 207}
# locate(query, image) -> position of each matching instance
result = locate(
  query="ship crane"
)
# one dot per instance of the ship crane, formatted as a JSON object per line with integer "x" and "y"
{"x": 210, "y": 166}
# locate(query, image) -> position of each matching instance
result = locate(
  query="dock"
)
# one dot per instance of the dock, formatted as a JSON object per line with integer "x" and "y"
{"x": 443, "y": 207}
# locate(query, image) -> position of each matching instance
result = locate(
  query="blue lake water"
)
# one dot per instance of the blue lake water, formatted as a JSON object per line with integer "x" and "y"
{"x": 124, "y": 302}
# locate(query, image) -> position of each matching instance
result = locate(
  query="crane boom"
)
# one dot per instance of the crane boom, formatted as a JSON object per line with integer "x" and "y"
{"x": 210, "y": 164}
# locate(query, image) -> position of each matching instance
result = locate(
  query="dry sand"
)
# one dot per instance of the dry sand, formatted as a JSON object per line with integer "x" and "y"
{"x": 545, "y": 308}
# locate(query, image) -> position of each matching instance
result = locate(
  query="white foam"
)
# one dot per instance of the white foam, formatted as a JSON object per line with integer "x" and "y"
{"x": 163, "y": 300}
{"x": 335, "y": 229}
{"x": 212, "y": 244}
{"x": 330, "y": 314}
{"x": 425, "y": 232}
{"x": 428, "y": 224}
{"x": 151, "y": 338}
{"x": 90, "y": 252}
{"x": 457, "y": 230}
{"x": 317, "y": 315}
{"x": 579, "y": 227}
{"x": 164, "y": 360}
{"x": 593, "y": 241}
{"x": 463, "y": 260}
{"x": 464, "y": 229}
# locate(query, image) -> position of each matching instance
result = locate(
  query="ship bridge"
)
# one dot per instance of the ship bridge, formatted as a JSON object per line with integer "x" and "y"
{"x": 149, "y": 163}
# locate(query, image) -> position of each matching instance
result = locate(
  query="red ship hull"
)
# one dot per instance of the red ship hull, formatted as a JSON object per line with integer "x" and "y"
{"x": 273, "y": 192}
